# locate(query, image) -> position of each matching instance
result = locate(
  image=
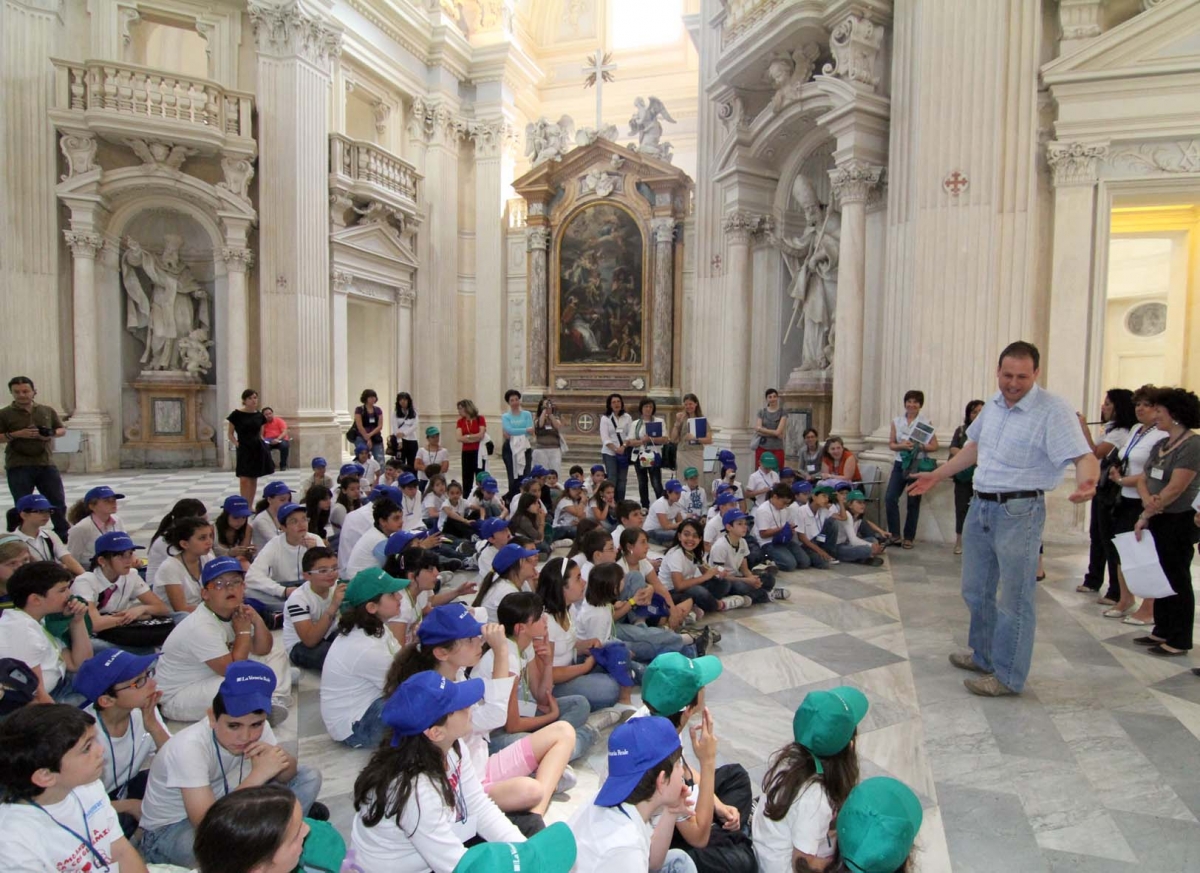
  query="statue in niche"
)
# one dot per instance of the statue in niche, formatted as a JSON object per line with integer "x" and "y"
{"x": 648, "y": 129}
{"x": 547, "y": 140}
{"x": 812, "y": 261}
{"x": 166, "y": 304}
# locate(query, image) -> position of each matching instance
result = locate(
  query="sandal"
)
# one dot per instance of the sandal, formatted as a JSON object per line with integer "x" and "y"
{"x": 958, "y": 550}
{"x": 1164, "y": 652}
{"x": 906, "y": 544}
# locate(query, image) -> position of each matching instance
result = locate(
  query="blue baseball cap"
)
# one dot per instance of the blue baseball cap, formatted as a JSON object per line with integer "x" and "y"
{"x": 247, "y": 688}
{"x": 733, "y": 515}
{"x": 360, "y": 445}
{"x": 236, "y": 506}
{"x": 526, "y": 481}
{"x": 114, "y": 542}
{"x": 725, "y": 498}
{"x": 572, "y": 483}
{"x": 445, "y": 624}
{"x": 787, "y": 471}
{"x": 489, "y": 527}
{"x": 406, "y": 479}
{"x": 721, "y": 488}
{"x": 319, "y": 462}
{"x": 509, "y": 555}
{"x": 98, "y": 674}
{"x": 391, "y": 492}
{"x": 219, "y": 567}
{"x": 633, "y": 748}
{"x": 34, "y": 503}
{"x": 274, "y": 489}
{"x": 726, "y": 455}
{"x": 101, "y": 492}
{"x": 423, "y": 700}
{"x": 287, "y": 509}
{"x": 673, "y": 485}
{"x": 843, "y": 485}
{"x": 351, "y": 470}
{"x": 613, "y": 659}
{"x": 538, "y": 470}
{"x": 802, "y": 487}
{"x": 597, "y": 468}
{"x": 399, "y": 541}
{"x": 489, "y": 484}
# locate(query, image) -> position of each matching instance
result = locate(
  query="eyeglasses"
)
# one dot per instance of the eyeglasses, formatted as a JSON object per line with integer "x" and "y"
{"x": 222, "y": 584}
{"x": 139, "y": 682}
{"x": 323, "y": 571}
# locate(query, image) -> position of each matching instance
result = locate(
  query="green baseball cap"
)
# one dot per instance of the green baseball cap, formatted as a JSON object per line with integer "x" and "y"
{"x": 369, "y": 584}
{"x": 877, "y": 825}
{"x": 550, "y": 850}
{"x": 672, "y": 681}
{"x": 690, "y": 472}
{"x": 769, "y": 461}
{"x": 324, "y": 848}
{"x": 823, "y": 489}
{"x": 856, "y": 495}
{"x": 431, "y": 431}
{"x": 826, "y": 720}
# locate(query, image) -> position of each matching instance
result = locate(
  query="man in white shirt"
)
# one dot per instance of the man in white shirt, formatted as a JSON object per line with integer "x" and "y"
{"x": 665, "y": 514}
{"x": 277, "y": 570}
{"x": 207, "y": 760}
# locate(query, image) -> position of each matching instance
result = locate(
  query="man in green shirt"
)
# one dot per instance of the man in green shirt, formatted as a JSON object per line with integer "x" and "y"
{"x": 27, "y": 429}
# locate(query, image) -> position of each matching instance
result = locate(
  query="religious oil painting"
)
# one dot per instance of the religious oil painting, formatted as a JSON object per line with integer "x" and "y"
{"x": 600, "y": 288}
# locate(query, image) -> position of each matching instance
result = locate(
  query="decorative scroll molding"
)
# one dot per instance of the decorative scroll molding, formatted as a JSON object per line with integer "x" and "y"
{"x": 853, "y": 181}
{"x": 1177, "y": 157}
{"x": 855, "y": 46}
{"x": 1075, "y": 163}
{"x": 406, "y": 296}
{"x": 436, "y": 123}
{"x": 381, "y": 111}
{"x": 238, "y": 173}
{"x": 83, "y": 244}
{"x": 287, "y": 29}
{"x": 80, "y": 152}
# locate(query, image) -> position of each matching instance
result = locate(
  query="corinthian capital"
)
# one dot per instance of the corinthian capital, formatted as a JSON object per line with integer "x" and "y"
{"x": 664, "y": 229}
{"x": 853, "y": 181}
{"x": 237, "y": 259}
{"x": 537, "y": 239}
{"x": 83, "y": 244}
{"x": 740, "y": 225}
{"x": 1075, "y": 163}
{"x": 290, "y": 29}
{"x": 492, "y": 137}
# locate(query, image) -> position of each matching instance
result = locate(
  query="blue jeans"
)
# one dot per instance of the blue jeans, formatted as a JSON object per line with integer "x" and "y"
{"x": 310, "y": 657}
{"x": 574, "y": 710}
{"x": 851, "y": 554}
{"x": 661, "y": 537}
{"x": 761, "y": 594}
{"x": 616, "y": 473}
{"x": 678, "y": 861}
{"x": 896, "y": 485}
{"x": 368, "y": 731}
{"x": 563, "y": 533}
{"x": 600, "y": 689}
{"x": 22, "y": 481}
{"x": 829, "y": 534}
{"x": 999, "y": 584}
{"x": 788, "y": 556}
{"x": 172, "y": 844}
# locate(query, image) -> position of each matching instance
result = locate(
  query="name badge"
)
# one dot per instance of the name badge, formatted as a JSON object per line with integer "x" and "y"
{"x": 1156, "y": 473}
{"x": 811, "y": 468}
{"x": 820, "y": 538}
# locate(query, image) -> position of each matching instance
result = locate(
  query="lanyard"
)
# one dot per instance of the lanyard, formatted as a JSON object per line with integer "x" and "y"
{"x": 221, "y": 764}
{"x": 100, "y": 860}
{"x": 1133, "y": 442}
{"x": 460, "y": 798}
{"x": 99, "y": 529}
{"x": 112, "y": 753}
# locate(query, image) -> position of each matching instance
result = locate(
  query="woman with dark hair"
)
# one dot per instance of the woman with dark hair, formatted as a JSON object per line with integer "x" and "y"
{"x": 472, "y": 428}
{"x": 318, "y": 503}
{"x": 1119, "y": 418}
{"x": 839, "y": 462}
{"x": 259, "y": 829}
{"x": 963, "y": 480}
{"x": 648, "y": 457}
{"x": 518, "y": 441}
{"x": 689, "y": 451}
{"x": 245, "y": 435}
{"x": 770, "y": 428}
{"x": 910, "y": 453}
{"x": 186, "y": 507}
{"x": 368, "y": 420}
{"x": 615, "y": 425}
{"x": 1169, "y": 486}
{"x": 407, "y": 431}
{"x": 810, "y": 463}
{"x": 547, "y": 440}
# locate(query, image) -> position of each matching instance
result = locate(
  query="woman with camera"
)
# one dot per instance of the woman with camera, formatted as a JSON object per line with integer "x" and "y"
{"x": 547, "y": 442}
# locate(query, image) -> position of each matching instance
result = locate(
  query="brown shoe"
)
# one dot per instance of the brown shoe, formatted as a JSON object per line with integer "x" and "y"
{"x": 988, "y": 686}
{"x": 966, "y": 661}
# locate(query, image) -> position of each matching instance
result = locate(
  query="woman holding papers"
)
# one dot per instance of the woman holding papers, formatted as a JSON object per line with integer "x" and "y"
{"x": 615, "y": 428}
{"x": 691, "y": 434}
{"x": 1169, "y": 485}
{"x": 911, "y": 439}
{"x": 646, "y": 439}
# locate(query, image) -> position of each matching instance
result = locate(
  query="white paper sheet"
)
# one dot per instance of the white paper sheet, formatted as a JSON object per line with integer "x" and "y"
{"x": 1139, "y": 561}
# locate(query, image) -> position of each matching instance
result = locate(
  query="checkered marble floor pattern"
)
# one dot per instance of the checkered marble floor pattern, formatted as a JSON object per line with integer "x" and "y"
{"x": 1096, "y": 767}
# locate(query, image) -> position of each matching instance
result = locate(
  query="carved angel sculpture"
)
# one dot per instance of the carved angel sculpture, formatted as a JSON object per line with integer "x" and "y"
{"x": 645, "y": 124}
{"x": 547, "y": 140}
{"x": 162, "y": 154}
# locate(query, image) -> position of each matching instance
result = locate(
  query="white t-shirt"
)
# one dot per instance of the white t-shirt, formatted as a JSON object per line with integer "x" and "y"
{"x": 432, "y": 506}
{"x": 904, "y": 429}
{"x": 725, "y": 554}
{"x": 414, "y": 519}
{"x": 25, "y": 638}
{"x": 760, "y": 479}
{"x": 767, "y": 517}
{"x": 440, "y": 456}
{"x": 411, "y": 613}
{"x": 675, "y": 561}
{"x": 562, "y": 518}
{"x": 485, "y": 553}
{"x": 81, "y": 538}
{"x": 199, "y": 638}
{"x": 90, "y": 586}
{"x": 46, "y": 546}
{"x": 371, "y": 470}
{"x": 356, "y": 524}
{"x": 563, "y": 639}
{"x": 156, "y": 555}
{"x": 500, "y": 589}
{"x": 263, "y": 529}
{"x": 406, "y": 428}
{"x": 192, "y": 759}
{"x": 811, "y": 521}
{"x": 1135, "y": 452}
{"x": 353, "y": 677}
{"x": 594, "y": 622}
{"x": 126, "y": 755}
{"x": 661, "y": 506}
{"x": 32, "y": 842}
{"x": 488, "y": 714}
{"x": 363, "y": 555}
{"x": 172, "y": 571}
{"x": 610, "y": 838}
{"x": 714, "y": 527}
{"x": 430, "y": 835}
{"x": 304, "y": 604}
{"x": 518, "y": 662}
{"x": 459, "y": 509}
{"x": 805, "y": 828}
{"x": 694, "y": 501}
{"x": 277, "y": 566}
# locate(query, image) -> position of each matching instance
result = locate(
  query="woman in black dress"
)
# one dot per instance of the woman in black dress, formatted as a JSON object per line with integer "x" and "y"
{"x": 245, "y": 433}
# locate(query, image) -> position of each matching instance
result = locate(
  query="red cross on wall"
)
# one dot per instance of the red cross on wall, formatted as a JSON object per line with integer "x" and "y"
{"x": 955, "y": 183}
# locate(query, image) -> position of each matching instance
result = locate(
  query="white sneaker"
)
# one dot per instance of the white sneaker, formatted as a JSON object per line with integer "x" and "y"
{"x": 566, "y": 781}
{"x": 278, "y": 715}
{"x": 733, "y": 601}
{"x": 602, "y": 719}
{"x": 781, "y": 594}
{"x": 562, "y": 544}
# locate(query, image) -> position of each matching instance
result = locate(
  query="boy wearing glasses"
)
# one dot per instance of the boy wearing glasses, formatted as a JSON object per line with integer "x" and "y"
{"x": 310, "y": 617}
{"x": 220, "y": 632}
{"x": 123, "y": 697}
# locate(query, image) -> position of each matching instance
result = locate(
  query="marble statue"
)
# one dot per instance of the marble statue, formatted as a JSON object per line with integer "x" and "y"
{"x": 787, "y": 72}
{"x": 193, "y": 353}
{"x": 812, "y": 261}
{"x": 648, "y": 129}
{"x": 166, "y": 304}
{"x": 585, "y": 136}
{"x": 547, "y": 140}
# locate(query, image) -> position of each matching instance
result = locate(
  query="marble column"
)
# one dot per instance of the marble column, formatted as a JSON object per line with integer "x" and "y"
{"x": 489, "y": 258}
{"x": 233, "y": 333}
{"x": 89, "y": 415}
{"x": 296, "y": 45}
{"x": 734, "y": 412}
{"x": 662, "y": 309}
{"x": 1064, "y": 362}
{"x": 339, "y": 328}
{"x": 405, "y": 298}
{"x": 852, "y": 183}
{"x": 30, "y": 342}
{"x": 537, "y": 241}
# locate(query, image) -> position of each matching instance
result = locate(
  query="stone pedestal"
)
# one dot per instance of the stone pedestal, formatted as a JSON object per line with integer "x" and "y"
{"x": 169, "y": 432}
{"x": 817, "y": 402}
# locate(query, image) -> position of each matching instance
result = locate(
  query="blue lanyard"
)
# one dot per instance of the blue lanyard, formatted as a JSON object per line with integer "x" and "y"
{"x": 100, "y": 860}
{"x": 1133, "y": 442}
{"x": 221, "y": 764}
{"x": 118, "y": 788}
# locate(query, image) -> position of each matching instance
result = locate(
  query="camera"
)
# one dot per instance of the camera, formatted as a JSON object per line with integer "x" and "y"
{"x": 45, "y": 431}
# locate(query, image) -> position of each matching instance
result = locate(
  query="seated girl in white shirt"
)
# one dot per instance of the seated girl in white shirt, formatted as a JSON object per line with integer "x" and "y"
{"x": 513, "y": 569}
{"x": 116, "y": 594}
{"x": 189, "y": 547}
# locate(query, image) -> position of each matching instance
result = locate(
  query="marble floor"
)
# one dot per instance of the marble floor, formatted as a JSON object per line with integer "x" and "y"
{"x": 1095, "y": 767}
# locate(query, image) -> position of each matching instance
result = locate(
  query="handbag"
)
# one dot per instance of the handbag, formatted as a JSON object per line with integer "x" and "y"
{"x": 145, "y": 633}
{"x": 352, "y": 434}
{"x": 1108, "y": 492}
{"x": 669, "y": 456}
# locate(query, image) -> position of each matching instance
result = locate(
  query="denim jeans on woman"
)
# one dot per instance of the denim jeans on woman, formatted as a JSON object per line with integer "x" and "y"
{"x": 617, "y": 473}
{"x": 896, "y": 485}
{"x": 600, "y": 689}
{"x": 999, "y": 584}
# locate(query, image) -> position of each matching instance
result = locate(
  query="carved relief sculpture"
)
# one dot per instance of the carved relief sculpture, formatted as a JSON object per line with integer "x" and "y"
{"x": 812, "y": 261}
{"x": 547, "y": 140}
{"x": 789, "y": 71}
{"x": 165, "y": 305}
{"x": 648, "y": 129}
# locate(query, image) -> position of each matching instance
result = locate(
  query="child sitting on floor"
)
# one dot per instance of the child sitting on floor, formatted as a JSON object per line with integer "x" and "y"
{"x": 311, "y": 612}
{"x": 39, "y": 590}
{"x": 91, "y": 518}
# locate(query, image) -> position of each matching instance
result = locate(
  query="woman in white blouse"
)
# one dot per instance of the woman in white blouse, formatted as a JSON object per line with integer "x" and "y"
{"x": 908, "y": 454}
{"x": 615, "y": 427}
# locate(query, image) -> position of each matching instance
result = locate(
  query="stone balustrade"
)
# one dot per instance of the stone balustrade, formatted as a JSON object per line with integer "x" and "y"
{"x": 518, "y": 212}
{"x": 742, "y": 15}
{"x": 365, "y": 162}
